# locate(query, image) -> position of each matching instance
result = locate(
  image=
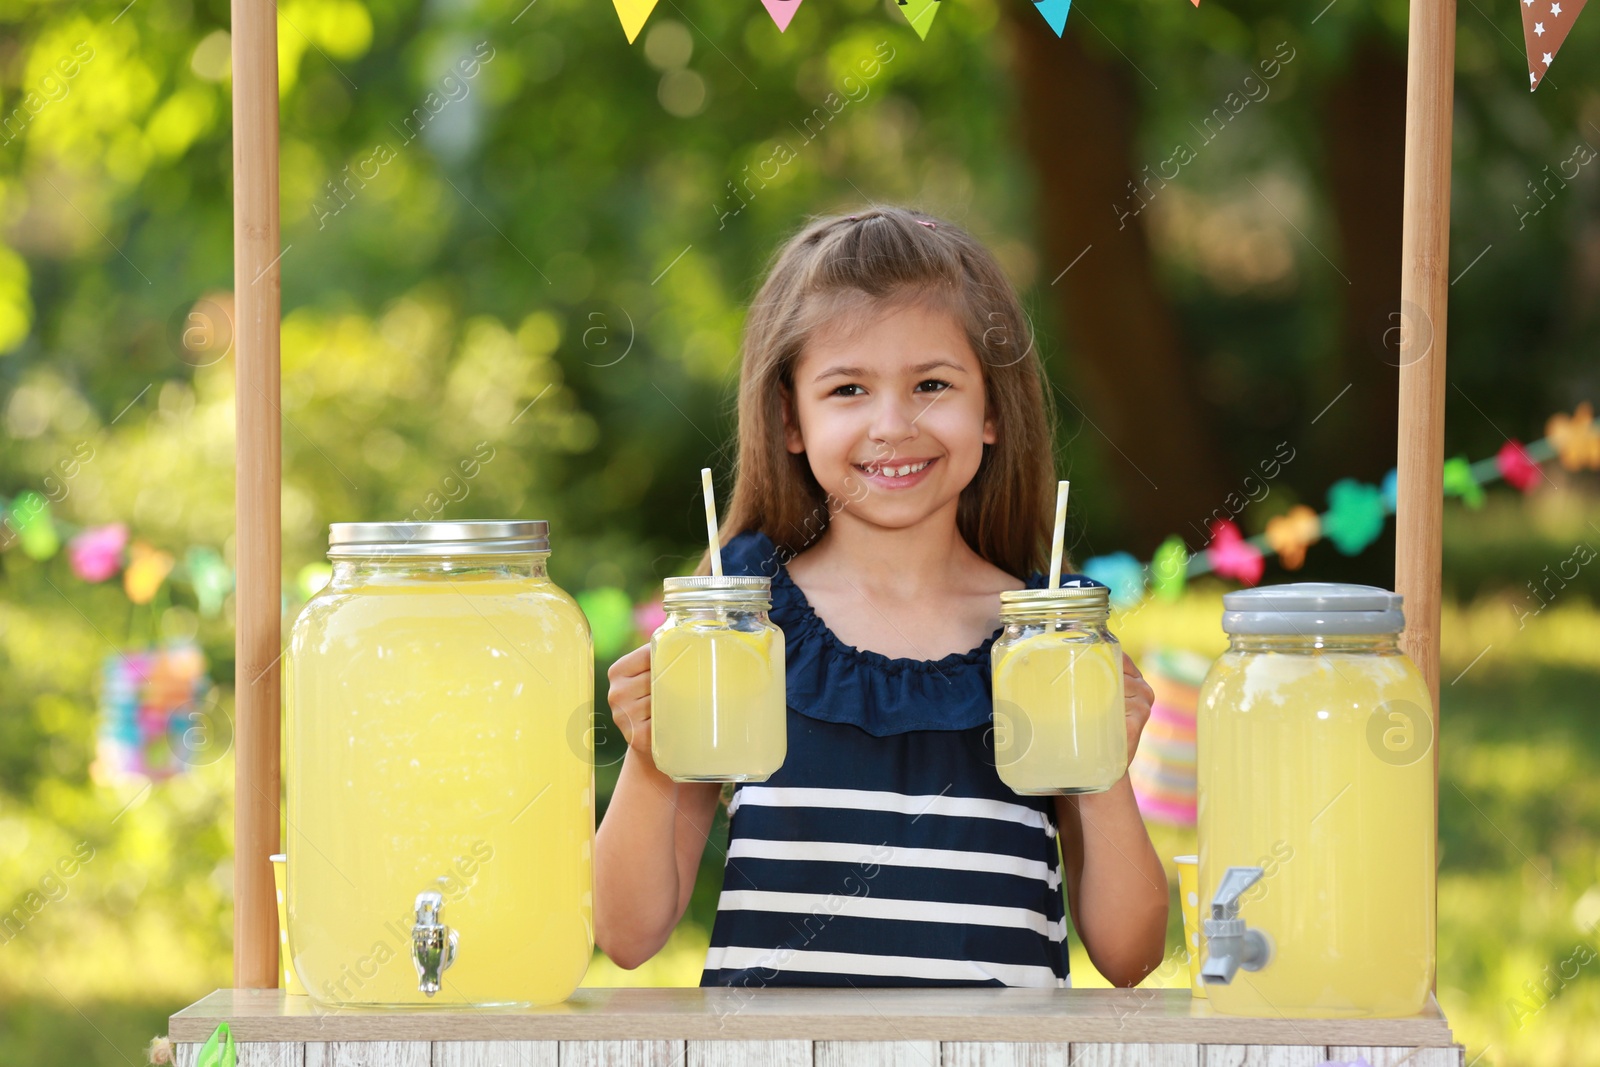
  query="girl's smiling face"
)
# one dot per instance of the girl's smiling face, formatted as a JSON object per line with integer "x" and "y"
{"x": 896, "y": 406}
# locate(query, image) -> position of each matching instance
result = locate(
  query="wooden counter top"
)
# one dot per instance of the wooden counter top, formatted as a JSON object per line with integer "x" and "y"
{"x": 976, "y": 1015}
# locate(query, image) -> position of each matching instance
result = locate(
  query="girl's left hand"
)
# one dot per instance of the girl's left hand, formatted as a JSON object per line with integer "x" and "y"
{"x": 1137, "y": 698}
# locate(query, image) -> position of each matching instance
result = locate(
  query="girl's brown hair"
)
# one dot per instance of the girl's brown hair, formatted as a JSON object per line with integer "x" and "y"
{"x": 835, "y": 270}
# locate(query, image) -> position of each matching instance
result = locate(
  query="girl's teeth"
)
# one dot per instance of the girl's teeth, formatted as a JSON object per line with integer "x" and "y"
{"x": 901, "y": 472}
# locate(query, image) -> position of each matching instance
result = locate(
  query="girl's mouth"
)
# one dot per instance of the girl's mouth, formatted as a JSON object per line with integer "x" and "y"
{"x": 897, "y": 475}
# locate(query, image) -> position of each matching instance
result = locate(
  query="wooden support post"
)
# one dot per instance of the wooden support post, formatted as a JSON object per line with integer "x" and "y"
{"x": 1424, "y": 300}
{"x": 258, "y": 464}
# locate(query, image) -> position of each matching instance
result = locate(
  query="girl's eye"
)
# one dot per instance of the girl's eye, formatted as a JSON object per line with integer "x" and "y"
{"x": 836, "y": 392}
{"x": 943, "y": 385}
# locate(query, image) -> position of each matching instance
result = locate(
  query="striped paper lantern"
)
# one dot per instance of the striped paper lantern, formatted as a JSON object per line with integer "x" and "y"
{"x": 1163, "y": 769}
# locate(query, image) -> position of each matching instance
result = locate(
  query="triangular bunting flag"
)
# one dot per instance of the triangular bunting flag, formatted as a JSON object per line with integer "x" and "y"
{"x": 782, "y": 11}
{"x": 920, "y": 14}
{"x": 1545, "y": 24}
{"x": 1054, "y": 12}
{"x": 633, "y": 14}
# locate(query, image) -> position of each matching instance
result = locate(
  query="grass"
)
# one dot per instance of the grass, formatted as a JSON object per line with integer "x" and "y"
{"x": 46, "y": 1031}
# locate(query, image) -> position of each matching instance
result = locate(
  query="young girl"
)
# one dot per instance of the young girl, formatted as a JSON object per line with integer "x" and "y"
{"x": 895, "y": 474}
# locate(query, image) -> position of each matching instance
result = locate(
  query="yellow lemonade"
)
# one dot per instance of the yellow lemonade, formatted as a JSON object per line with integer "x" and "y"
{"x": 1059, "y": 723}
{"x": 440, "y": 740}
{"x": 1316, "y": 765}
{"x": 717, "y": 702}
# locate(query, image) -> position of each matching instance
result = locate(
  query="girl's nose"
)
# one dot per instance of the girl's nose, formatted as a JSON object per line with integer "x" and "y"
{"x": 894, "y": 419}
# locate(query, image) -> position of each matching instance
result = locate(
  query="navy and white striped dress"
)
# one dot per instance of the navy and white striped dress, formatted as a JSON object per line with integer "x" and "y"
{"x": 886, "y": 851}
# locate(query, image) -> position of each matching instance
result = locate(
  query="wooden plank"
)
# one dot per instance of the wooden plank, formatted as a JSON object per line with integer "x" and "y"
{"x": 1079, "y": 1016}
{"x": 1007, "y": 1054}
{"x": 251, "y": 1053}
{"x": 876, "y": 1054}
{"x": 621, "y": 1054}
{"x": 749, "y": 1054}
{"x": 1262, "y": 1055}
{"x": 270, "y": 1054}
{"x": 368, "y": 1053}
{"x": 495, "y": 1054}
{"x": 1399, "y": 1057}
{"x": 1130, "y": 1055}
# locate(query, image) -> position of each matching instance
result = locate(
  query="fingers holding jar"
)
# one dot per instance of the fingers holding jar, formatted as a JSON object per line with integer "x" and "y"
{"x": 1138, "y": 697}
{"x": 629, "y": 697}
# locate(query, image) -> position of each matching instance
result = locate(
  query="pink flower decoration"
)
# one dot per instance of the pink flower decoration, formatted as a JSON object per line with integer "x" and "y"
{"x": 1232, "y": 556}
{"x": 1517, "y": 467}
{"x": 96, "y": 553}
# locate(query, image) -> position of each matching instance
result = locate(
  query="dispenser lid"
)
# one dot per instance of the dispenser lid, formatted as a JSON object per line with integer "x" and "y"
{"x": 473, "y": 537}
{"x": 1312, "y": 608}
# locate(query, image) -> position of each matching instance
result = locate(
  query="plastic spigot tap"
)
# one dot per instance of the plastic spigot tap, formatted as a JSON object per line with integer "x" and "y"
{"x": 433, "y": 945}
{"x": 1230, "y": 944}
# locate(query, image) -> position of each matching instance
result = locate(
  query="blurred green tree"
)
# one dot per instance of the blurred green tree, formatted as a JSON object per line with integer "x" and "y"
{"x": 509, "y": 233}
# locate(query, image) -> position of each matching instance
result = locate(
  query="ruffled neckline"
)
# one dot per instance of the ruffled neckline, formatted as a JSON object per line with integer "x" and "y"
{"x": 830, "y": 680}
{"x": 801, "y": 608}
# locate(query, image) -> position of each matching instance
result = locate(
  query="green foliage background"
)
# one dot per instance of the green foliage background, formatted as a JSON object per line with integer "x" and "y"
{"x": 552, "y": 267}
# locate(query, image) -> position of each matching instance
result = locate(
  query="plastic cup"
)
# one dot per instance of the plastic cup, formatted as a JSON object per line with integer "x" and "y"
{"x": 1189, "y": 897}
{"x": 291, "y": 981}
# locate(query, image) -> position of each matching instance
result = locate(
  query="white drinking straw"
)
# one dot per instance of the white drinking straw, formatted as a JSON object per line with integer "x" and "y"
{"x": 1061, "y": 533}
{"x": 711, "y": 521}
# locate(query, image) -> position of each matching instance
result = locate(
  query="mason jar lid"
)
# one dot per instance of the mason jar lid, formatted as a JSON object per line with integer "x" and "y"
{"x": 719, "y": 589}
{"x": 474, "y": 537}
{"x": 1312, "y": 608}
{"x": 1065, "y": 598}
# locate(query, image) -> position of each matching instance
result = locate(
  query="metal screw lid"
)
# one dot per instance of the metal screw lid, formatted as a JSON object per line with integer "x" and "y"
{"x": 726, "y": 588}
{"x": 475, "y": 537}
{"x": 1068, "y": 597}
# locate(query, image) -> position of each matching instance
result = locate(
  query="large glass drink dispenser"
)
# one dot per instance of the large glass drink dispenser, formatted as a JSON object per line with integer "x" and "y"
{"x": 440, "y": 771}
{"x": 1316, "y": 808}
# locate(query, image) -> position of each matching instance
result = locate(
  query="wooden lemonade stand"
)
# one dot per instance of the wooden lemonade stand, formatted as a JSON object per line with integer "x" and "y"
{"x": 788, "y": 1027}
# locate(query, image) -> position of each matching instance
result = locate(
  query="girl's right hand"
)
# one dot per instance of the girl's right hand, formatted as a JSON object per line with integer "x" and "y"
{"x": 629, "y": 698}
